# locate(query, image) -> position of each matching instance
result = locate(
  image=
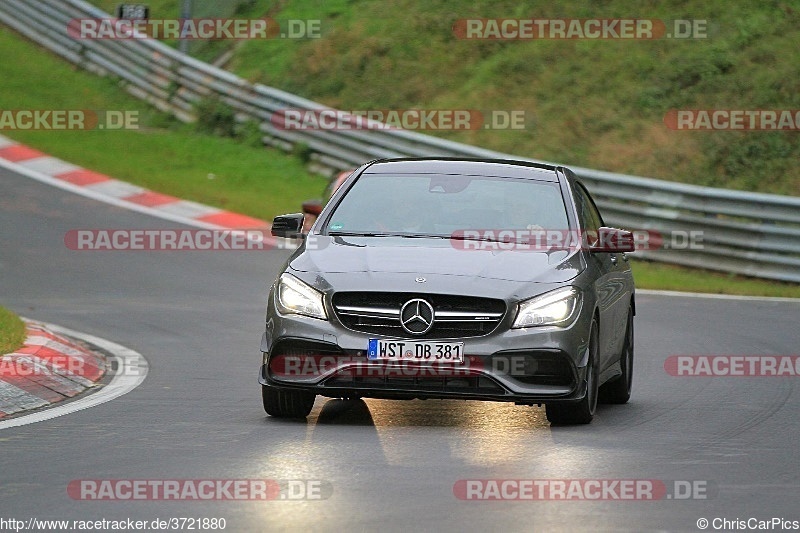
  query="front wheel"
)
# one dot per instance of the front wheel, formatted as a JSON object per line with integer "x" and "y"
{"x": 619, "y": 390}
{"x": 581, "y": 412}
{"x": 287, "y": 403}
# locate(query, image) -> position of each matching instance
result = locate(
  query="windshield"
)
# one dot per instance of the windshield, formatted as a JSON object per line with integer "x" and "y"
{"x": 440, "y": 205}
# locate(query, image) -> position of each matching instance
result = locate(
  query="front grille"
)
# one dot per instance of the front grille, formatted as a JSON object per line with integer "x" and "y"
{"x": 454, "y": 316}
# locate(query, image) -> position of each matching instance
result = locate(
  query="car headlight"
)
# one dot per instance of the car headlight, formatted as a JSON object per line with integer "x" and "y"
{"x": 292, "y": 296}
{"x": 555, "y": 308}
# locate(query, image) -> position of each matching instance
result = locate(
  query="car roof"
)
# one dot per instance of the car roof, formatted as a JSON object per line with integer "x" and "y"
{"x": 468, "y": 167}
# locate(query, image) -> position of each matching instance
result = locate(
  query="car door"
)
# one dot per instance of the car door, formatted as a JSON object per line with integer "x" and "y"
{"x": 611, "y": 286}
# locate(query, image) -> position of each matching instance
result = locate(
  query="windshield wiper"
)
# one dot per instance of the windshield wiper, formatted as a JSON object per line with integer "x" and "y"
{"x": 387, "y": 234}
{"x": 471, "y": 238}
{"x": 412, "y": 236}
{"x": 359, "y": 234}
{"x": 422, "y": 236}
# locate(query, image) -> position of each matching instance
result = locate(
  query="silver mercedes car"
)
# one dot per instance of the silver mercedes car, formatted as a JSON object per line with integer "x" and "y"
{"x": 442, "y": 278}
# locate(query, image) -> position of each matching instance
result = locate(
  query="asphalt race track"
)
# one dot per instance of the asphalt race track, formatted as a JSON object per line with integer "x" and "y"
{"x": 389, "y": 466}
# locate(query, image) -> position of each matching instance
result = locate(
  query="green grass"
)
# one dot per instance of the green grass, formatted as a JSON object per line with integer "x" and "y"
{"x": 162, "y": 155}
{"x": 660, "y": 276}
{"x": 174, "y": 159}
{"x": 593, "y": 103}
{"x": 12, "y": 331}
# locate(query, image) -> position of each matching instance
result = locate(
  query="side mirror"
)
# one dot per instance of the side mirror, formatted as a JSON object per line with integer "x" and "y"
{"x": 288, "y": 226}
{"x": 612, "y": 240}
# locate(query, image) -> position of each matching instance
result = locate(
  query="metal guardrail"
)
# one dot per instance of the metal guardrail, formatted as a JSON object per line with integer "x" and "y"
{"x": 754, "y": 234}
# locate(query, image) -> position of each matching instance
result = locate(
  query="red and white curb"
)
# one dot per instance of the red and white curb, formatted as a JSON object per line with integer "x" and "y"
{"x": 52, "y": 367}
{"x": 49, "y": 368}
{"x": 42, "y": 167}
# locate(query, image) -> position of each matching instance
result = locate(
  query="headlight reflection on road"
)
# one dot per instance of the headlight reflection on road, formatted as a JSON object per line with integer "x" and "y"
{"x": 477, "y": 433}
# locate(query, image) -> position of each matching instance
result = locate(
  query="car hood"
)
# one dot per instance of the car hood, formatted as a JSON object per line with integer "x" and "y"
{"x": 432, "y": 257}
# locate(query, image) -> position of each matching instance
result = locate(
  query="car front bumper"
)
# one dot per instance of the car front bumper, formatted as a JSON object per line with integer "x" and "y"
{"x": 538, "y": 365}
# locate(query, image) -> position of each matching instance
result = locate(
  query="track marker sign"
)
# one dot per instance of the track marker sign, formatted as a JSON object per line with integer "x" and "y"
{"x": 133, "y": 12}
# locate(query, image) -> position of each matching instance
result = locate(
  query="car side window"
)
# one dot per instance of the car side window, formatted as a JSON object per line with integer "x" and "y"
{"x": 588, "y": 212}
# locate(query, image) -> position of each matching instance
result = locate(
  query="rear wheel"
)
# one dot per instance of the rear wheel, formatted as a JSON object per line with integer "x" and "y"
{"x": 287, "y": 403}
{"x": 580, "y": 412}
{"x": 619, "y": 390}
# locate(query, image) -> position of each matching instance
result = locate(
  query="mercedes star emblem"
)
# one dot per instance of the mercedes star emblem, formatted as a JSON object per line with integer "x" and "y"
{"x": 416, "y": 316}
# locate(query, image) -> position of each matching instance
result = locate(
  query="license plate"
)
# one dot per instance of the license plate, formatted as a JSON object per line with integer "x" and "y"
{"x": 421, "y": 351}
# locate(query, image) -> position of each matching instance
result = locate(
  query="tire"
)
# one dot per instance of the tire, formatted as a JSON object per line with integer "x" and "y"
{"x": 287, "y": 403}
{"x": 619, "y": 390}
{"x": 580, "y": 412}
